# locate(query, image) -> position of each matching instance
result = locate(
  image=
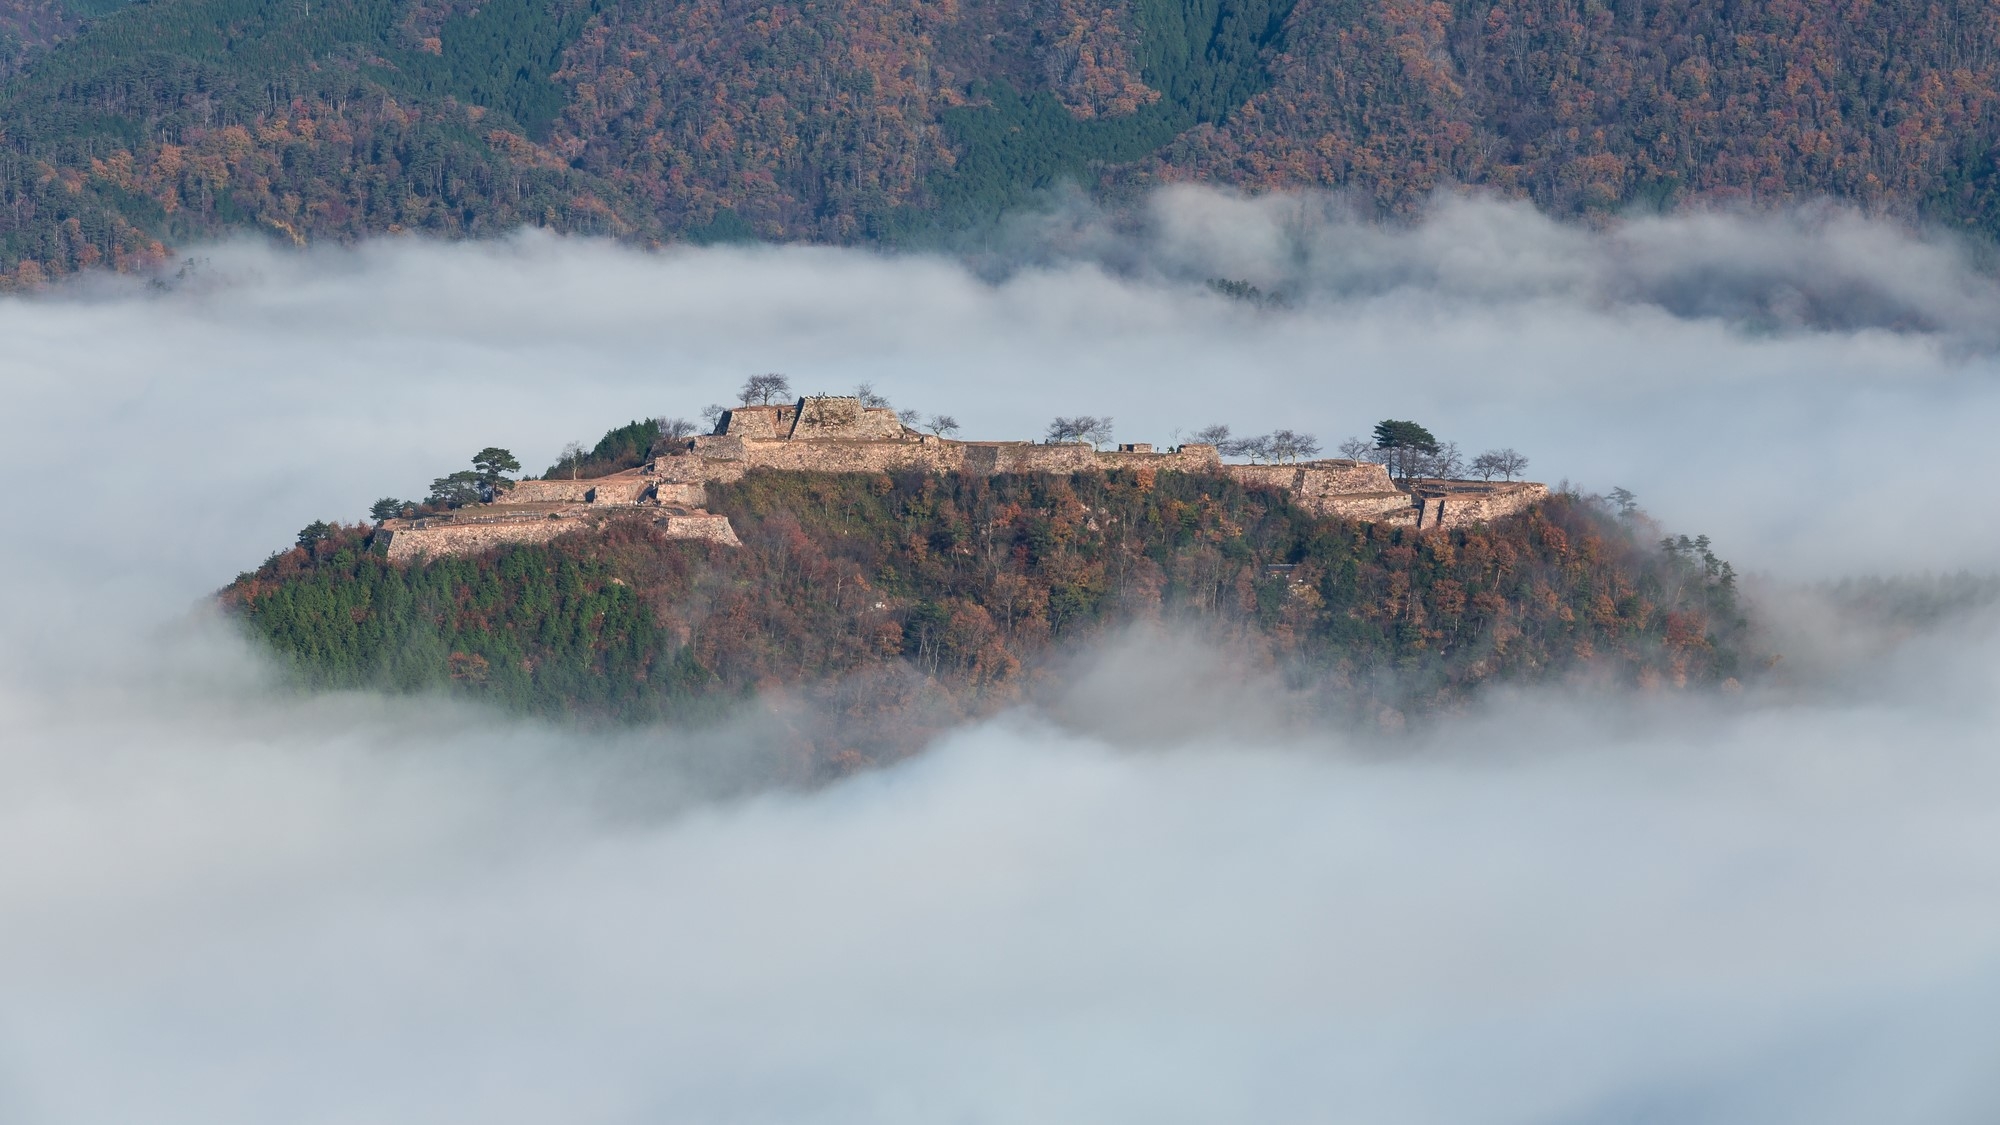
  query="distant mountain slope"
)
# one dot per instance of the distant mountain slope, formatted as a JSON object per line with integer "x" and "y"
{"x": 27, "y": 26}
{"x": 854, "y": 120}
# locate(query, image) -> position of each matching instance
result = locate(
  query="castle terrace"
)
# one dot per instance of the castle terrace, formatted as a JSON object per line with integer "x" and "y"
{"x": 841, "y": 434}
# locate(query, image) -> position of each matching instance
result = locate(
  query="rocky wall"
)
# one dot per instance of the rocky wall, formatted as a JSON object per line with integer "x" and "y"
{"x": 618, "y": 490}
{"x": 1193, "y": 457}
{"x": 1309, "y": 480}
{"x": 549, "y": 491}
{"x": 1375, "y": 507}
{"x": 994, "y": 457}
{"x": 451, "y": 537}
{"x": 756, "y": 423}
{"x": 441, "y": 538}
{"x": 843, "y": 418}
{"x": 714, "y": 528}
{"x": 1464, "y": 504}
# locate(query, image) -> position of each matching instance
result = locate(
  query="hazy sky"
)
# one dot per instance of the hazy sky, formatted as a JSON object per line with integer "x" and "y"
{"x": 222, "y": 902}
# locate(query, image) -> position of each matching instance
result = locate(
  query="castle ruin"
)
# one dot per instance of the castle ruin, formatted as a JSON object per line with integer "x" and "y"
{"x": 840, "y": 434}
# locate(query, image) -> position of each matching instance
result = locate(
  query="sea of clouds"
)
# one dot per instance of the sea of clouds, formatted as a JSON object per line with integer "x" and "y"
{"x": 222, "y": 901}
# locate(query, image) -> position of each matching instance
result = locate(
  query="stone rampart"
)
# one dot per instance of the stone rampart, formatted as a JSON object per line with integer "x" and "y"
{"x": 442, "y": 537}
{"x": 757, "y": 423}
{"x": 837, "y": 435}
{"x": 812, "y": 418}
{"x": 687, "y": 495}
{"x": 1194, "y": 457}
{"x": 622, "y": 488}
{"x": 549, "y": 491}
{"x": 1308, "y": 480}
{"x": 991, "y": 458}
{"x": 1449, "y": 504}
{"x": 1355, "y": 490}
{"x": 475, "y": 529}
{"x": 821, "y": 417}
{"x": 701, "y": 525}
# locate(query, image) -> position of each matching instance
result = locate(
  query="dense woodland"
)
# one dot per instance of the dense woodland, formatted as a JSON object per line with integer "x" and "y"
{"x": 881, "y": 607}
{"x": 124, "y": 130}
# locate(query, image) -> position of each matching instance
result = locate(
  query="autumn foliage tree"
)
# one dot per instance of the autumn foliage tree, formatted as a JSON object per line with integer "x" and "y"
{"x": 889, "y": 603}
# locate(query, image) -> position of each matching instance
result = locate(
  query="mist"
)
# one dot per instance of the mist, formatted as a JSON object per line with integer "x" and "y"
{"x": 223, "y": 900}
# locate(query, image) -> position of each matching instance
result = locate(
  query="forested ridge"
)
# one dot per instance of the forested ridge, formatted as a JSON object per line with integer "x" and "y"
{"x": 125, "y": 130}
{"x": 886, "y": 606}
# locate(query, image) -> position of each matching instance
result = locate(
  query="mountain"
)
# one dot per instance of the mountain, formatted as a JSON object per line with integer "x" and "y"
{"x": 862, "y": 120}
{"x": 867, "y": 610}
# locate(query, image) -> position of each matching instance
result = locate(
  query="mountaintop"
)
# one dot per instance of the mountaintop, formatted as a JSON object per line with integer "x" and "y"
{"x": 865, "y": 610}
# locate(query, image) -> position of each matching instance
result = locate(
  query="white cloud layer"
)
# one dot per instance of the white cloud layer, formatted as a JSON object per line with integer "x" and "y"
{"x": 229, "y": 905}
{"x": 223, "y": 902}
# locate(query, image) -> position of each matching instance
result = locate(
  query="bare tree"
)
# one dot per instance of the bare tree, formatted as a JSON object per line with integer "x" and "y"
{"x": 942, "y": 424}
{"x": 910, "y": 418}
{"x": 761, "y": 389}
{"x": 1216, "y": 435}
{"x": 1098, "y": 432}
{"x": 572, "y": 455}
{"x": 1063, "y": 430}
{"x": 1358, "y": 449}
{"x": 1504, "y": 463}
{"x": 1285, "y": 445}
{"x": 865, "y": 393}
{"x": 712, "y": 414}
{"x": 1443, "y": 463}
{"x": 1256, "y": 448}
{"x": 675, "y": 429}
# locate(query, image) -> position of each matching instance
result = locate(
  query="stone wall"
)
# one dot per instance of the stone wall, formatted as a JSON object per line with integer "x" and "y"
{"x": 1355, "y": 490}
{"x": 843, "y": 417}
{"x": 813, "y": 418}
{"x": 1194, "y": 457}
{"x": 990, "y": 458}
{"x": 549, "y": 491}
{"x": 757, "y": 423}
{"x": 440, "y": 537}
{"x": 1449, "y": 504}
{"x": 470, "y": 535}
{"x": 620, "y": 488}
{"x": 1311, "y": 479}
{"x": 701, "y": 525}
{"x": 726, "y": 457}
{"x": 686, "y": 495}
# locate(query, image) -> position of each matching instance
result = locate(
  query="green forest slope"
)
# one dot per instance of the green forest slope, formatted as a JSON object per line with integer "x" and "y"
{"x": 857, "y": 120}
{"x": 883, "y": 607}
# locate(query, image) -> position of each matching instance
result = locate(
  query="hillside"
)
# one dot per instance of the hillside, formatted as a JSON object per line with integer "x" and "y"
{"x": 869, "y": 610}
{"x": 857, "y": 120}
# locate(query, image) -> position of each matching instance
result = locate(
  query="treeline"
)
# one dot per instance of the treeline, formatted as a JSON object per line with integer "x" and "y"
{"x": 961, "y": 587}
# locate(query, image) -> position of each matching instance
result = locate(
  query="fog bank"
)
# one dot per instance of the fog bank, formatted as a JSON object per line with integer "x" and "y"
{"x": 223, "y": 901}
{"x": 1811, "y": 389}
{"x": 225, "y": 904}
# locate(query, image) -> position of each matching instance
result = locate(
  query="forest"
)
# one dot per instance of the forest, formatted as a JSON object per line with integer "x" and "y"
{"x": 876, "y": 609}
{"x": 127, "y": 130}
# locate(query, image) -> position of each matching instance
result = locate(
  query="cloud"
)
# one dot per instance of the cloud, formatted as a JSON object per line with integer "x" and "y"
{"x": 1658, "y": 355}
{"x": 230, "y": 904}
{"x": 224, "y": 901}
